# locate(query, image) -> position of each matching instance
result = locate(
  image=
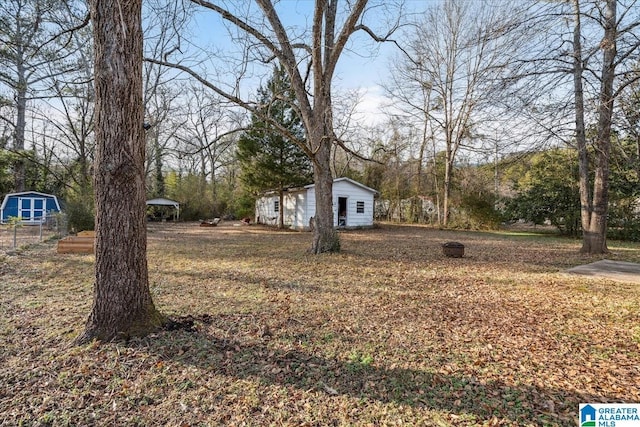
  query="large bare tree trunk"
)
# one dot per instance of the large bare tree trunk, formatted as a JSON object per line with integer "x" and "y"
{"x": 122, "y": 304}
{"x": 19, "y": 170}
{"x": 446, "y": 190}
{"x": 581, "y": 139}
{"x": 638, "y": 156}
{"x": 325, "y": 237}
{"x": 595, "y": 235}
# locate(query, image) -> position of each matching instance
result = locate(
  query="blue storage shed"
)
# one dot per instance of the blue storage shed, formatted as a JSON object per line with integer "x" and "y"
{"x": 32, "y": 206}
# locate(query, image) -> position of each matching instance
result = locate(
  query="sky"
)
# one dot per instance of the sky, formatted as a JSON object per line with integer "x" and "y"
{"x": 362, "y": 67}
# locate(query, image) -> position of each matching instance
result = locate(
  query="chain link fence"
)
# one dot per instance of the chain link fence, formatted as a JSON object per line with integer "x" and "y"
{"x": 17, "y": 234}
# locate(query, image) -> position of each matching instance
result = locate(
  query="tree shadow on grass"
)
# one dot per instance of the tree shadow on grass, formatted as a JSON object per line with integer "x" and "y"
{"x": 366, "y": 379}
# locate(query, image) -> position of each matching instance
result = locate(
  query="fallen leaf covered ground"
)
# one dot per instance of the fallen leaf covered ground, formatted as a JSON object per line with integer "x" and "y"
{"x": 387, "y": 332}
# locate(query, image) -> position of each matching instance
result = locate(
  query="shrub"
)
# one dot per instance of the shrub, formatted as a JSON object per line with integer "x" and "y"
{"x": 476, "y": 212}
{"x": 80, "y": 213}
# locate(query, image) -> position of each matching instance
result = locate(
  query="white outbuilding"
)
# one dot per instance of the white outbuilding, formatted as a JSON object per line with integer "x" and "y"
{"x": 352, "y": 205}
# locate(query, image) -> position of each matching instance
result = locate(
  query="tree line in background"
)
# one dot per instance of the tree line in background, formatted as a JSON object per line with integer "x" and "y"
{"x": 496, "y": 111}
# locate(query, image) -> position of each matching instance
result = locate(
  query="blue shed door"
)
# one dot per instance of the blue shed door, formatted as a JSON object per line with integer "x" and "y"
{"x": 31, "y": 209}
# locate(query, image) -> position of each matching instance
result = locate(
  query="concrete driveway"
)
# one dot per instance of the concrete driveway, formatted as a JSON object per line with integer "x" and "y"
{"x": 615, "y": 270}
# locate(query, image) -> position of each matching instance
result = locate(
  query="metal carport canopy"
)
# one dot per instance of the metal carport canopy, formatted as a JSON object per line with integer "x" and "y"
{"x": 161, "y": 201}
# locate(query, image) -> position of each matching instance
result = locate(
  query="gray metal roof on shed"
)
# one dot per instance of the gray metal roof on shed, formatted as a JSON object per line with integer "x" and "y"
{"x": 345, "y": 179}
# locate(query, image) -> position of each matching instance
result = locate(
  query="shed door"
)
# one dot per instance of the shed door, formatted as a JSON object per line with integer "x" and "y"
{"x": 342, "y": 211}
{"x": 31, "y": 209}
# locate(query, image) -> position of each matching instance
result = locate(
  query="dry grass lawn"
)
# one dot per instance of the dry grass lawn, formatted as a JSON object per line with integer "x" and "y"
{"x": 388, "y": 332}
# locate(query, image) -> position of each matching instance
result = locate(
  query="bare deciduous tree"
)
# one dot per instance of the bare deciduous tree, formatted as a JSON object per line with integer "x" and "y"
{"x": 73, "y": 116}
{"x": 33, "y": 35}
{"x": 450, "y": 77}
{"x": 619, "y": 45}
{"x": 310, "y": 59}
{"x": 577, "y": 69}
{"x": 207, "y": 135}
{"x": 164, "y": 23}
{"x": 122, "y": 304}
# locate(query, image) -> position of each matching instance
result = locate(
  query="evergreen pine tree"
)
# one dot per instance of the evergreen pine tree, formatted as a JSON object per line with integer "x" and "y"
{"x": 270, "y": 161}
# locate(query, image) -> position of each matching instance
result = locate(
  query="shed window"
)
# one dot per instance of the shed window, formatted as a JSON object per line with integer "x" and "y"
{"x": 276, "y": 205}
{"x": 360, "y": 207}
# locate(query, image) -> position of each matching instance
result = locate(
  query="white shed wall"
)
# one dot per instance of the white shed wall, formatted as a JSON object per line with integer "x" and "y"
{"x": 294, "y": 205}
{"x": 311, "y": 204}
{"x": 300, "y": 217}
{"x": 294, "y": 209}
{"x": 265, "y": 212}
{"x": 300, "y": 206}
{"x": 353, "y": 194}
